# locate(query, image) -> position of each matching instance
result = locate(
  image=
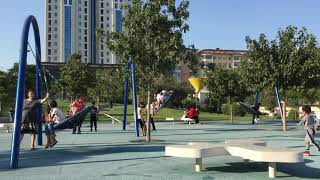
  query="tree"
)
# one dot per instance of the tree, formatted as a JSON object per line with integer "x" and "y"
{"x": 224, "y": 83}
{"x": 109, "y": 85}
{"x": 291, "y": 59}
{"x": 152, "y": 39}
{"x": 76, "y": 76}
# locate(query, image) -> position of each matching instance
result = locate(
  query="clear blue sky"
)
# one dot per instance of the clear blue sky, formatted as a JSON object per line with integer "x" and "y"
{"x": 213, "y": 23}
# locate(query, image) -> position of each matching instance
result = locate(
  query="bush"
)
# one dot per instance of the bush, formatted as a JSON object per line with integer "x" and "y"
{"x": 293, "y": 114}
{"x": 236, "y": 109}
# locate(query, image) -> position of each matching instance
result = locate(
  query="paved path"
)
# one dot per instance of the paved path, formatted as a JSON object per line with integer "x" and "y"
{"x": 112, "y": 153}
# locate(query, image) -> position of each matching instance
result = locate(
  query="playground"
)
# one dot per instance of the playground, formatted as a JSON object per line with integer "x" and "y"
{"x": 111, "y": 153}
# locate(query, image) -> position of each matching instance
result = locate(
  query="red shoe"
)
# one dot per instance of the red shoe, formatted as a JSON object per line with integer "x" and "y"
{"x": 306, "y": 153}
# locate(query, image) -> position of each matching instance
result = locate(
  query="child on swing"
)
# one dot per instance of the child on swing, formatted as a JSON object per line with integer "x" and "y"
{"x": 55, "y": 116}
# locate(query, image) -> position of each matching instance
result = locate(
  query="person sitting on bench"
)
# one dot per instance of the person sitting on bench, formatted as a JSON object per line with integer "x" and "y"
{"x": 193, "y": 113}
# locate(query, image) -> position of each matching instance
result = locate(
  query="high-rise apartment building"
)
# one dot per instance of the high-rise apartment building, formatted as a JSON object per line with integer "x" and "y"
{"x": 71, "y": 28}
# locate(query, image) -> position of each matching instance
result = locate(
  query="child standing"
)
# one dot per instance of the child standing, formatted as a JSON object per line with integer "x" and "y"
{"x": 93, "y": 116}
{"x": 11, "y": 113}
{"x": 309, "y": 122}
{"x": 75, "y": 107}
{"x": 140, "y": 119}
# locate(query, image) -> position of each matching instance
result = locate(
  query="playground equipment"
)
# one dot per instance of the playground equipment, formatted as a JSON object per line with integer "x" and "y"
{"x": 254, "y": 112}
{"x": 197, "y": 84}
{"x": 67, "y": 123}
{"x": 113, "y": 119}
{"x": 134, "y": 92}
{"x": 21, "y": 87}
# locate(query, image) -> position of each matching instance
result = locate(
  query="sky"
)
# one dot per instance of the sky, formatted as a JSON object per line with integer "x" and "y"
{"x": 220, "y": 24}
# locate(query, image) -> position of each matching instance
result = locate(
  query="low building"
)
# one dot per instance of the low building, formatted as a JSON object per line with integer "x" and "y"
{"x": 223, "y": 58}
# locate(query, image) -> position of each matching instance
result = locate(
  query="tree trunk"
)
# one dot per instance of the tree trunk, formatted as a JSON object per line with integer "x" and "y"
{"x": 148, "y": 135}
{"x": 98, "y": 102}
{"x": 231, "y": 111}
{"x": 284, "y": 123}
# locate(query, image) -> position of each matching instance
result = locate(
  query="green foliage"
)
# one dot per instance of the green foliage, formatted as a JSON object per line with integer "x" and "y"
{"x": 152, "y": 37}
{"x": 108, "y": 86}
{"x": 224, "y": 83}
{"x": 292, "y": 59}
{"x": 76, "y": 76}
{"x": 293, "y": 115}
{"x": 236, "y": 109}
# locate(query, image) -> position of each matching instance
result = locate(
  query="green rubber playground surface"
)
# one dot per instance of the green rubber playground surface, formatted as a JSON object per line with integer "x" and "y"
{"x": 112, "y": 153}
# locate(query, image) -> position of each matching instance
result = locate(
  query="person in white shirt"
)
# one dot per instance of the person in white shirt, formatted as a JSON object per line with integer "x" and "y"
{"x": 55, "y": 116}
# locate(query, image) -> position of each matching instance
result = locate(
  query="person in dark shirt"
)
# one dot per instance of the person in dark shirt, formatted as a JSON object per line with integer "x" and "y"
{"x": 11, "y": 113}
{"x": 93, "y": 116}
{"x": 29, "y": 122}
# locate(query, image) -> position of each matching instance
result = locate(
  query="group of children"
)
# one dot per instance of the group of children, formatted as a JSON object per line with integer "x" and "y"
{"x": 55, "y": 115}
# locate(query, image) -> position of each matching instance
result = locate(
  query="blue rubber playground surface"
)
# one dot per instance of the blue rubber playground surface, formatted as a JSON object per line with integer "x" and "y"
{"x": 111, "y": 153}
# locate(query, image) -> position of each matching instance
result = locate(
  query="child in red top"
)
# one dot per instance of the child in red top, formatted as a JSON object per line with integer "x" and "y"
{"x": 193, "y": 113}
{"x": 77, "y": 106}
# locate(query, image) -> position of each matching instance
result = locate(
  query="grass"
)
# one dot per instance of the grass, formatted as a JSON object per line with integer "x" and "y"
{"x": 164, "y": 113}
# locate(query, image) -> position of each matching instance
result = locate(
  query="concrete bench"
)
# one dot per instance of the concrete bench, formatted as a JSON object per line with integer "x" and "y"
{"x": 6, "y": 126}
{"x": 184, "y": 119}
{"x": 271, "y": 155}
{"x": 248, "y": 149}
{"x": 196, "y": 151}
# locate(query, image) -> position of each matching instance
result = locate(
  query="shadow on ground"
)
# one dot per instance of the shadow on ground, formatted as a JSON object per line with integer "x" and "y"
{"x": 67, "y": 155}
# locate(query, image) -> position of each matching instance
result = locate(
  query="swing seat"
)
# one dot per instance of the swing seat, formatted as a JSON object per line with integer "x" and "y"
{"x": 165, "y": 102}
{"x": 250, "y": 110}
{"x": 74, "y": 120}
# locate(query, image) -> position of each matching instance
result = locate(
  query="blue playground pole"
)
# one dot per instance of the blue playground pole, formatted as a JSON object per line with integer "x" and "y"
{"x": 15, "y": 146}
{"x": 126, "y": 89}
{"x": 38, "y": 90}
{"x": 279, "y": 102}
{"x": 135, "y": 103}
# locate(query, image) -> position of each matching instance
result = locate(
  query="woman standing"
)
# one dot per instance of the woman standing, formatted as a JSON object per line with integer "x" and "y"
{"x": 29, "y": 120}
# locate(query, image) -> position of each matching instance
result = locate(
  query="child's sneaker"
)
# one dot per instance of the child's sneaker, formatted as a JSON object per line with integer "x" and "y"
{"x": 306, "y": 153}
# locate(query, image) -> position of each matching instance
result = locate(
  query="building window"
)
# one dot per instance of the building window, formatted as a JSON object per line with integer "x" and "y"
{"x": 101, "y": 25}
{"x": 49, "y": 44}
{"x": 86, "y": 3}
{"x": 49, "y": 15}
{"x": 49, "y": 36}
{"x": 49, "y": 52}
{"x": 101, "y": 11}
{"x": 85, "y": 10}
{"x": 85, "y": 39}
{"x": 101, "y": 5}
{"x": 102, "y": 54}
{"x": 55, "y": 59}
{"x": 85, "y": 32}
{"x": 85, "y": 47}
{"x": 49, "y": 29}
{"x": 49, "y": 7}
{"x": 85, "y": 53}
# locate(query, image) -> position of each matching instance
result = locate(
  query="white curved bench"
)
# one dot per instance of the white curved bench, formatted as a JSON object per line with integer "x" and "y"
{"x": 197, "y": 151}
{"x": 248, "y": 149}
{"x": 270, "y": 155}
{"x": 6, "y": 126}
